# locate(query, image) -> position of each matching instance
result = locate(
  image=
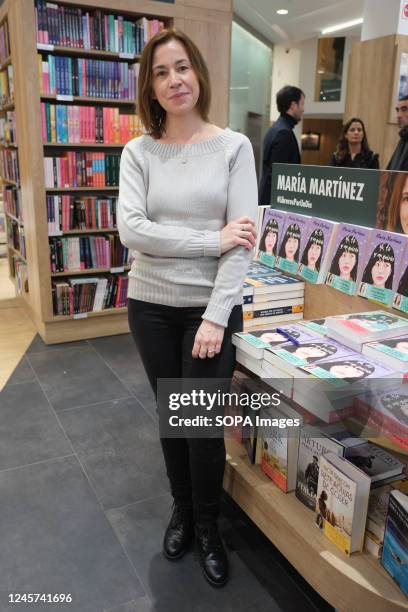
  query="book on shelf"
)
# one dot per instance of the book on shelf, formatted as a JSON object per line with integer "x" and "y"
{"x": 380, "y": 269}
{"x": 312, "y": 444}
{"x": 316, "y": 248}
{"x": 265, "y": 312}
{"x": 249, "y": 362}
{"x": 357, "y": 328}
{"x": 92, "y": 29}
{"x": 395, "y": 550}
{"x": 16, "y": 236}
{"x": 67, "y": 212}
{"x": 400, "y": 298}
{"x": 75, "y": 296}
{"x": 278, "y": 286}
{"x": 90, "y": 78}
{"x": 385, "y": 410}
{"x": 9, "y": 168}
{"x": 280, "y": 445}
{"x": 393, "y": 352}
{"x": 342, "y": 502}
{"x": 63, "y": 124}
{"x": 257, "y": 269}
{"x": 87, "y": 252}
{"x": 82, "y": 169}
{"x": 12, "y": 202}
{"x": 21, "y": 274}
{"x": 347, "y": 257}
{"x": 377, "y": 515}
{"x": 376, "y": 462}
{"x": 8, "y": 132}
{"x": 7, "y": 85}
{"x": 295, "y": 228}
{"x": 270, "y": 227}
{"x": 341, "y": 372}
{"x": 4, "y": 42}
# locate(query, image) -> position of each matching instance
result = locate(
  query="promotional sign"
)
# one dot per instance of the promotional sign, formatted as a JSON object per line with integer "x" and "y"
{"x": 337, "y": 194}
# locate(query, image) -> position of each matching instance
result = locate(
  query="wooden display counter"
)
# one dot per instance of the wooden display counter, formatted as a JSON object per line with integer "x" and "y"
{"x": 350, "y": 584}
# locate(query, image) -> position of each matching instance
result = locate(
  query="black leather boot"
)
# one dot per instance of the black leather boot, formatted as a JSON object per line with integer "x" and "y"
{"x": 179, "y": 532}
{"x": 213, "y": 558}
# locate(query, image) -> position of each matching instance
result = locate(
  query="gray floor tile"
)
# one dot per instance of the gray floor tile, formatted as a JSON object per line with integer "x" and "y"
{"x": 78, "y": 377}
{"x": 38, "y": 345}
{"x": 142, "y": 391}
{"x": 22, "y": 373}
{"x": 29, "y": 430}
{"x": 118, "y": 445}
{"x": 119, "y": 352}
{"x": 180, "y": 586}
{"x": 55, "y": 538}
{"x": 143, "y": 604}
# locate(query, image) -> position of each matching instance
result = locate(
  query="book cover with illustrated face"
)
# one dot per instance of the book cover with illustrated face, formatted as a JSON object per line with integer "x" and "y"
{"x": 314, "y": 248}
{"x": 335, "y": 501}
{"x": 271, "y": 232}
{"x": 348, "y": 369}
{"x": 394, "y": 347}
{"x": 267, "y": 338}
{"x": 347, "y": 258}
{"x": 316, "y": 325}
{"x": 311, "y": 351}
{"x": 296, "y": 226}
{"x": 362, "y": 323}
{"x": 383, "y": 256}
{"x": 400, "y": 299}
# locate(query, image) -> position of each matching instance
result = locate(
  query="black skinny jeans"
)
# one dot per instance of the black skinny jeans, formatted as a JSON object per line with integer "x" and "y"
{"x": 164, "y": 336}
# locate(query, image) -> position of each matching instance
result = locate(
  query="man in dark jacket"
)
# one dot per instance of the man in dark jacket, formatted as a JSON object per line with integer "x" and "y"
{"x": 399, "y": 159}
{"x": 280, "y": 144}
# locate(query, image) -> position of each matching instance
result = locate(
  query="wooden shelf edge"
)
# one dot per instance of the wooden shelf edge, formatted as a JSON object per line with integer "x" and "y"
{"x": 99, "y": 313}
{"x": 61, "y": 50}
{"x": 16, "y": 252}
{"x": 347, "y": 583}
{"x": 85, "y": 145}
{"x": 114, "y": 101}
{"x": 10, "y": 182}
{"x": 21, "y": 224}
{"x": 107, "y": 230}
{"x": 79, "y": 189}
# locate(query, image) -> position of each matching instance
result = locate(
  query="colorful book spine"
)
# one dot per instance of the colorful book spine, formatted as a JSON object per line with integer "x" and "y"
{"x": 82, "y": 169}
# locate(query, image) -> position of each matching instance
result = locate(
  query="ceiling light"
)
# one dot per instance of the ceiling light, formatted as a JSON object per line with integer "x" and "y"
{"x": 342, "y": 26}
{"x": 282, "y": 11}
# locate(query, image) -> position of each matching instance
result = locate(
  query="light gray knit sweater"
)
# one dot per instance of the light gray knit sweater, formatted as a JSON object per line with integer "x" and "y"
{"x": 173, "y": 201}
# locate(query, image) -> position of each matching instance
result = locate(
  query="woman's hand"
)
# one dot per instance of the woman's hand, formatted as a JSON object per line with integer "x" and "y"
{"x": 208, "y": 340}
{"x": 238, "y": 233}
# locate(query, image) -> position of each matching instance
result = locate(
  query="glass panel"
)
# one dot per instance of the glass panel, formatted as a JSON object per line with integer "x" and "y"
{"x": 329, "y": 69}
{"x": 250, "y": 88}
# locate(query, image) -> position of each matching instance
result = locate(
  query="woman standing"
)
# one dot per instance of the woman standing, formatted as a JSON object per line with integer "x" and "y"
{"x": 353, "y": 150}
{"x": 187, "y": 201}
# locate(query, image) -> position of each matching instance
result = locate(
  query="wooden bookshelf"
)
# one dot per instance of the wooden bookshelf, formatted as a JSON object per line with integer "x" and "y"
{"x": 88, "y": 271}
{"x": 80, "y": 189}
{"x": 82, "y": 145}
{"x": 89, "y": 53}
{"x": 87, "y": 100}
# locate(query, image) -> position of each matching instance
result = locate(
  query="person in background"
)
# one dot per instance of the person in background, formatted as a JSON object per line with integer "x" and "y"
{"x": 280, "y": 144}
{"x": 353, "y": 150}
{"x": 187, "y": 204}
{"x": 399, "y": 159}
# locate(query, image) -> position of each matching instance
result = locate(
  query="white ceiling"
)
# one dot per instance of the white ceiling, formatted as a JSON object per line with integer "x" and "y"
{"x": 306, "y": 18}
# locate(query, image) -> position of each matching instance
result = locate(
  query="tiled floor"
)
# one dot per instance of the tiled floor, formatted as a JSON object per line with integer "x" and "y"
{"x": 84, "y": 497}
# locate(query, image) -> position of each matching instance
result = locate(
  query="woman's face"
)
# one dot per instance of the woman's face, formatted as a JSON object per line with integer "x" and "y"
{"x": 346, "y": 371}
{"x": 355, "y": 133}
{"x": 380, "y": 272}
{"x": 402, "y": 346}
{"x": 313, "y": 255}
{"x": 347, "y": 262}
{"x": 270, "y": 241}
{"x": 291, "y": 247}
{"x": 403, "y": 208}
{"x": 175, "y": 84}
{"x": 307, "y": 352}
{"x": 271, "y": 337}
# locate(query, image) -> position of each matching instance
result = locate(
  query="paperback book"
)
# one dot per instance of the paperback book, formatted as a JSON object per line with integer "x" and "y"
{"x": 400, "y": 299}
{"x": 379, "y": 277}
{"x": 316, "y": 326}
{"x": 342, "y": 502}
{"x": 395, "y": 551}
{"x": 255, "y": 342}
{"x": 315, "y": 250}
{"x": 393, "y": 352}
{"x": 270, "y": 233}
{"x": 296, "y": 226}
{"x": 346, "y": 260}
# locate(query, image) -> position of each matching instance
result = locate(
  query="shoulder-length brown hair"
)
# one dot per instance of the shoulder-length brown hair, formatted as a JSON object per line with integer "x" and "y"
{"x": 391, "y": 192}
{"x": 343, "y": 145}
{"x": 153, "y": 115}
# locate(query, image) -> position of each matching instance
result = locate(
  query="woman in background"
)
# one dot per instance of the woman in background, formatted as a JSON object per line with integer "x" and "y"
{"x": 353, "y": 150}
